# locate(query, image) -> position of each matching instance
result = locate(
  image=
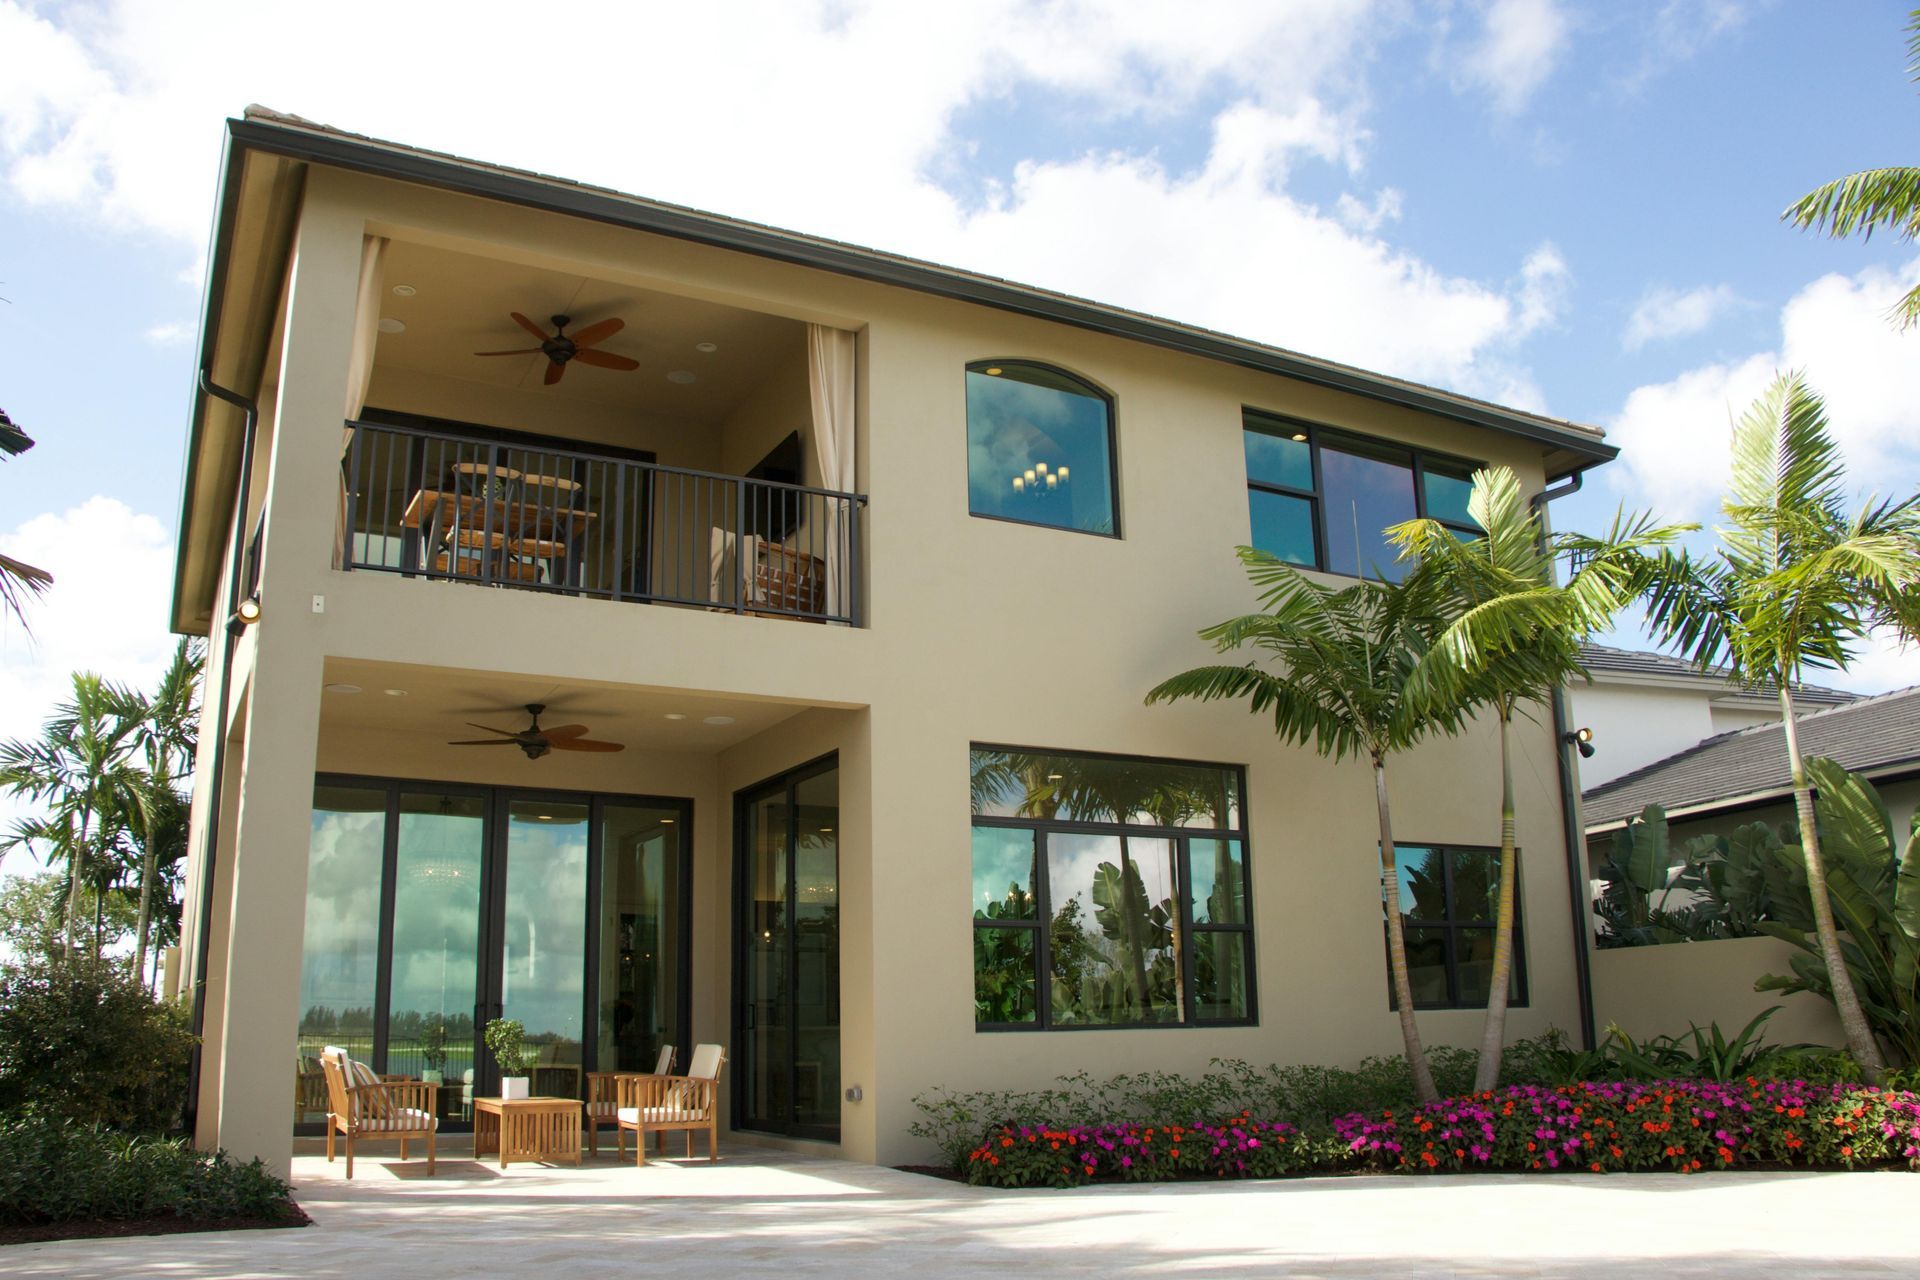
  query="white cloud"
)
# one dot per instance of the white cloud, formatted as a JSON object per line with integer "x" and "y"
{"x": 1545, "y": 281}
{"x": 169, "y": 333}
{"x": 1516, "y": 49}
{"x": 1673, "y": 435}
{"x": 106, "y": 611}
{"x": 1665, "y": 312}
{"x": 1368, "y": 216}
{"x": 1680, "y": 32}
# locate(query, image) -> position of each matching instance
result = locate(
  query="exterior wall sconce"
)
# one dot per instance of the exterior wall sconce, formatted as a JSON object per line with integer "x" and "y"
{"x": 1581, "y": 739}
{"x": 244, "y": 615}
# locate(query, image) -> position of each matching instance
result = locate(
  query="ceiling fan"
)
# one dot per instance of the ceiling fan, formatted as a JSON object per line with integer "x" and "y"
{"x": 536, "y": 741}
{"x": 562, "y": 347}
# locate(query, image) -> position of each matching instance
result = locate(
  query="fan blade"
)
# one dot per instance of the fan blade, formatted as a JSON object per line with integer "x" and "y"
{"x": 524, "y": 351}
{"x": 529, "y": 326}
{"x": 485, "y": 742}
{"x": 566, "y": 731}
{"x": 595, "y": 332}
{"x": 505, "y": 733}
{"x": 584, "y": 744}
{"x": 555, "y": 370}
{"x": 606, "y": 360}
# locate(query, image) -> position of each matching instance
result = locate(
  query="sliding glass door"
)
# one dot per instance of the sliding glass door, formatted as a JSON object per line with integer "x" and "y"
{"x": 433, "y": 908}
{"x": 787, "y": 949}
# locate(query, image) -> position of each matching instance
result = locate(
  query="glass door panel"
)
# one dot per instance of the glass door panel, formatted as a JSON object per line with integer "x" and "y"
{"x": 543, "y": 936}
{"x": 642, "y": 882}
{"x": 436, "y": 945}
{"x": 763, "y": 1007}
{"x": 788, "y": 1010}
{"x": 339, "y": 962}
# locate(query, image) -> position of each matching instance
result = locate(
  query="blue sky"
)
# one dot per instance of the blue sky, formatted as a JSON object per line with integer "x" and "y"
{"x": 1568, "y": 206}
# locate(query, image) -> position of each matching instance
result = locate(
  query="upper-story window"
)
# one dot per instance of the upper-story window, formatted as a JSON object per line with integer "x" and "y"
{"x": 1323, "y": 498}
{"x": 1039, "y": 447}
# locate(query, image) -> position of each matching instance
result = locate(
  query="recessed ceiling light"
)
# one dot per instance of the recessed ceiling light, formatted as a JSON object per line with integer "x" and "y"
{"x": 404, "y": 291}
{"x": 343, "y": 688}
{"x": 666, "y": 822}
{"x": 681, "y": 376}
{"x": 389, "y": 325}
{"x": 994, "y": 372}
{"x": 826, "y": 831}
{"x": 395, "y": 693}
{"x": 707, "y": 348}
{"x": 544, "y": 817}
{"x": 718, "y": 720}
{"x": 1300, "y": 437}
{"x": 676, "y": 715}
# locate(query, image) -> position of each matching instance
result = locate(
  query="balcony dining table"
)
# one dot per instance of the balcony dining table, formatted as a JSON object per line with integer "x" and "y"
{"x": 500, "y": 526}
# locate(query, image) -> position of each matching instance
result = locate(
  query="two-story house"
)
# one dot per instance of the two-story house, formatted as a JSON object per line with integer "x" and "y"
{"x": 839, "y": 578}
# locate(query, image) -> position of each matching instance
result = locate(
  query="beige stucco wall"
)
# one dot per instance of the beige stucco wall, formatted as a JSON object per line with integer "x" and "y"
{"x": 980, "y": 631}
{"x": 1662, "y": 990}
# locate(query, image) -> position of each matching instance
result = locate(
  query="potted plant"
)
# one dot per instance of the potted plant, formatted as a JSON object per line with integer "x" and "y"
{"x": 433, "y": 1054}
{"x": 507, "y": 1041}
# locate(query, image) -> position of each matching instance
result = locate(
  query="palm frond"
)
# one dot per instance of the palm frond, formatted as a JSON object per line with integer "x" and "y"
{"x": 1861, "y": 203}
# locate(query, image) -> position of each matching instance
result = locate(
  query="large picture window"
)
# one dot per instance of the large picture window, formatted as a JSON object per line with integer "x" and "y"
{"x": 1039, "y": 447}
{"x": 1323, "y": 499}
{"x": 1108, "y": 892}
{"x": 1449, "y": 899}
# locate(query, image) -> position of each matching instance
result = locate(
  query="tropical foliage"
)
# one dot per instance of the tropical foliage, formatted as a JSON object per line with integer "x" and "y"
{"x": 1511, "y": 637}
{"x": 57, "y": 1171}
{"x": 17, "y": 580}
{"x": 1340, "y": 659}
{"x": 1873, "y": 200}
{"x": 1712, "y": 886}
{"x": 1796, "y": 582}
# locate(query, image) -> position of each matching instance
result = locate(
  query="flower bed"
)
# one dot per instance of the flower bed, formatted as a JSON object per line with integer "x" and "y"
{"x": 1599, "y": 1127}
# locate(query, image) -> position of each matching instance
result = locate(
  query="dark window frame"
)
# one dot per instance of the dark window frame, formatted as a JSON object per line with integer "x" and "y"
{"x": 1093, "y": 391}
{"x": 1180, "y": 837}
{"x": 1452, "y": 926}
{"x": 1317, "y": 435}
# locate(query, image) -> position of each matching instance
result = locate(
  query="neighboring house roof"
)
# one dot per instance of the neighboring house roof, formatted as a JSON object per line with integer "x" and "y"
{"x": 1605, "y": 660}
{"x": 1568, "y": 447}
{"x": 1877, "y": 734}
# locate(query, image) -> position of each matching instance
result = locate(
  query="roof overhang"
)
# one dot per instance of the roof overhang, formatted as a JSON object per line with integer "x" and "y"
{"x": 266, "y": 159}
{"x": 1891, "y": 771}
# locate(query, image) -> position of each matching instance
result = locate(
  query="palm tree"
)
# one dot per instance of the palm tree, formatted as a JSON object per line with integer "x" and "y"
{"x": 80, "y": 767}
{"x": 1512, "y": 637}
{"x": 1794, "y": 583}
{"x": 1345, "y": 656}
{"x": 1868, "y": 201}
{"x": 17, "y": 579}
{"x": 165, "y": 736}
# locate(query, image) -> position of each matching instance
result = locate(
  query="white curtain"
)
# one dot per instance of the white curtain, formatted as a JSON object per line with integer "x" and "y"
{"x": 830, "y": 377}
{"x": 366, "y": 333}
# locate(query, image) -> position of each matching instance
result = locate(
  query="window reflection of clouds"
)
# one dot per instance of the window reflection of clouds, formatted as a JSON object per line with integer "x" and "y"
{"x": 545, "y": 927}
{"x": 343, "y": 910}
{"x": 1013, "y": 425}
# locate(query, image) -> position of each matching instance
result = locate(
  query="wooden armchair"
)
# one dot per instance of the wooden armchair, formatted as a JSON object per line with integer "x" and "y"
{"x": 603, "y": 1097}
{"x": 655, "y": 1104}
{"x": 363, "y": 1106}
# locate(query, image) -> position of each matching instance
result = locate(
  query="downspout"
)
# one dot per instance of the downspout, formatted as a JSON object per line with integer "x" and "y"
{"x": 203, "y": 933}
{"x": 1575, "y": 836}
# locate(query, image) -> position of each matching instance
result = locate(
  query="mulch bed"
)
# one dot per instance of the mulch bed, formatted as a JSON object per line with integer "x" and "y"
{"x": 162, "y": 1225}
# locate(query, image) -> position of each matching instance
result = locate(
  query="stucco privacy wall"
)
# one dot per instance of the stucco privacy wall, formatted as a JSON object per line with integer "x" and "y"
{"x": 979, "y": 631}
{"x": 1663, "y": 990}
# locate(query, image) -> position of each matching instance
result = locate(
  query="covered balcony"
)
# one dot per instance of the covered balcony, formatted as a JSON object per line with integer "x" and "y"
{"x": 523, "y": 428}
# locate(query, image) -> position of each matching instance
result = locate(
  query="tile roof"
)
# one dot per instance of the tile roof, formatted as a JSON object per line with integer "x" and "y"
{"x": 1867, "y": 733}
{"x": 1605, "y": 659}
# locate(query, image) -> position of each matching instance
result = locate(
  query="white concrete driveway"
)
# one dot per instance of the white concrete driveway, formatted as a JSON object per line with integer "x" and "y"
{"x": 774, "y": 1214}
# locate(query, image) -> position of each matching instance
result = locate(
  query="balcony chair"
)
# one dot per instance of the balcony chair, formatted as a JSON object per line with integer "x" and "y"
{"x": 658, "y": 1103}
{"x": 309, "y": 1090}
{"x": 603, "y": 1097}
{"x": 361, "y": 1105}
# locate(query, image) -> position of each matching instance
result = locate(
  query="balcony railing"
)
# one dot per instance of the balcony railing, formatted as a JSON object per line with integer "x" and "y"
{"x": 434, "y": 505}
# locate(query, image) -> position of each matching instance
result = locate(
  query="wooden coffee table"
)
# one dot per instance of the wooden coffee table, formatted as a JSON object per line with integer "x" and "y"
{"x": 538, "y": 1129}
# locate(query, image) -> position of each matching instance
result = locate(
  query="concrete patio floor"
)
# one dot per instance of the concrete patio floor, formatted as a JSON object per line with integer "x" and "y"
{"x": 761, "y": 1212}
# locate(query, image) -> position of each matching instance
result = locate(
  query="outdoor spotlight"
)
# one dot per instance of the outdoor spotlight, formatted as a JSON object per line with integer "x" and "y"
{"x": 245, "y": 615}
{"x": 1582, "y": 739}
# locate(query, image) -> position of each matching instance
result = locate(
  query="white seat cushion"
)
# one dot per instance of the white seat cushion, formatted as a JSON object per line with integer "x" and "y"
{"x": 402, "y": 1118}
{"x": 660, "y": 1115}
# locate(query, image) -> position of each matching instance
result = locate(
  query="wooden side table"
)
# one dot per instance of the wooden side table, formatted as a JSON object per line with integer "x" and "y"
{"x": 539, "y": 1129}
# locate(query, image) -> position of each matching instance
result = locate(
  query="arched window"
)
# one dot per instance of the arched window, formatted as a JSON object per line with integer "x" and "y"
{"x": 1039, "y": 447}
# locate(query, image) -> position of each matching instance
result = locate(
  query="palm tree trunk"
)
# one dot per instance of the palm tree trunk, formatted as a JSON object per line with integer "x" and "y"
{"x": 76, "y": 868}
{"x": 1494, "y": 1039}
{"x": 1423, "y": 1086}
{"x": 147, "y": 857}
{"x": 1860, "y": 1040}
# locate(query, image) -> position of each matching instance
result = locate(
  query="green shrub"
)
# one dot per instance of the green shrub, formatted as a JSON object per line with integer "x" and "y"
{"x": 57, "y": 1170}
{"x": 81, "y": 1040}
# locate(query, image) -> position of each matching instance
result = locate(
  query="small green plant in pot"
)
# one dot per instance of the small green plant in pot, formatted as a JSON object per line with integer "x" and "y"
{"x": 507, "y": 1041}
{"x": 433, "y": 1054}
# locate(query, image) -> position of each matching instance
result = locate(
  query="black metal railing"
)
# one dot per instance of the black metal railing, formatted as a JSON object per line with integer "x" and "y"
{"x": 434, "y": 505}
